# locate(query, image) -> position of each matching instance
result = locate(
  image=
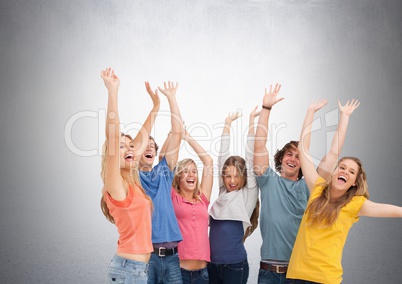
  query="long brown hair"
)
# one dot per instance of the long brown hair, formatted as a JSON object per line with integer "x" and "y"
{"x": 134, "y": 173}
{"x": 181, "y": 166}
{"x": 253, "y": 220}
{"x": 323, "y": 211}
{"x": 240, "y": 164}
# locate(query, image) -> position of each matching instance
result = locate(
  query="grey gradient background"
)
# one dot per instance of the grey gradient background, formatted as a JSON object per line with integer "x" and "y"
{"x": 223, "y": 54}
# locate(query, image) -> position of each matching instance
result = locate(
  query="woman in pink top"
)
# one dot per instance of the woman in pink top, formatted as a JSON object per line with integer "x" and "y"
{"x": 190, "y": 202}
{"x": 124, "y": 202}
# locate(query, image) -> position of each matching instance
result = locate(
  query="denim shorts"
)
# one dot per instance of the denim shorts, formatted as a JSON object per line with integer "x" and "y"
{"x": 122, "y": 270}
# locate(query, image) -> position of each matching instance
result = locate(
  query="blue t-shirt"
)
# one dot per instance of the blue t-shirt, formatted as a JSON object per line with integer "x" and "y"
{"x": 157, "y": 183}
{"x": 226, "y": 241}
{"x": 283, "y": 202}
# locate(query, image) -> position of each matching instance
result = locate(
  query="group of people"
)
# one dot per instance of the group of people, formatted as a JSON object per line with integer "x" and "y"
{"x": 169, "y": 233}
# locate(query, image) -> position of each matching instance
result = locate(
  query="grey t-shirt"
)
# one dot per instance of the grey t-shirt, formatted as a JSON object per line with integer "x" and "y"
{"x": 283, "y": 202}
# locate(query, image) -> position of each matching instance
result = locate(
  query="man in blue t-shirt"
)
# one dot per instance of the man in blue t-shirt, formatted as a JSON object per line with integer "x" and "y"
{"x": 156, "y": 180}
{"x": 284, "y": 197}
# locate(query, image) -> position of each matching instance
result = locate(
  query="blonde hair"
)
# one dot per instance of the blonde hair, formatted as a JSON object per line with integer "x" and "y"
{"x": 134, "y": 174}
{"x": 181, "y": 166}
{"x": 323, "y": 211}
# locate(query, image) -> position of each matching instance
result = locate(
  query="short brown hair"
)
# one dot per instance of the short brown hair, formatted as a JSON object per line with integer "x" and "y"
{"x": 280, "y": 153}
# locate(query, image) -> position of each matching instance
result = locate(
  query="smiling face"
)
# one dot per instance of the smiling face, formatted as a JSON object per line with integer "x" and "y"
{"x": 232, "y": 179}
{"x": 344, "y": 176}
{"x": 147, "y": 159}
{"x": 126, "y": 153}
{"x": 290, "y": 165}
{"x": 188, "y": 178}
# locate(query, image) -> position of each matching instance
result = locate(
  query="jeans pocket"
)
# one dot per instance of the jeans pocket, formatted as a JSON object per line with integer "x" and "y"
{"x": 116, "y": 278}
{"x": 205, "y": 275}
{"x": 236, "y": 266}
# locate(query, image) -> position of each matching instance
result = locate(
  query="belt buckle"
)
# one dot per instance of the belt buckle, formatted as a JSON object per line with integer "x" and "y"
{"x": 277, "y": 269}
{"x": 159, "y": 251}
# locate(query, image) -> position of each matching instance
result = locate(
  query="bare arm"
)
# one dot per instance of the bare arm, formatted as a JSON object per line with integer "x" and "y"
{"x": 172, "y": 148}
{"x": 141, "y": 140}
{"x": 162, "y": 151}
{"x": 261, "y": 155}
{"x": 373, "y": 209}
{"x": 113, "y": 180}
{"x": 307, "y": 165}
{"x": 328, "y": 162}
{"x": 254, "y": 113}
{"x": 207, "y": 171}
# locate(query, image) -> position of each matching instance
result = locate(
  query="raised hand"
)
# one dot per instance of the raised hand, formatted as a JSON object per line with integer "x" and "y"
{"x": 254, "y": 113}
{"x": 153, "y": 94}
{"x": 349, "y": 107}
{"x": 186, "y": 136}
{"x": 270, "y": 98}
{"x": 316, "y": 106}
{"x": 112, "y": 82}
{"x": 169, "y": 89}
{"x": 232, "y": 117}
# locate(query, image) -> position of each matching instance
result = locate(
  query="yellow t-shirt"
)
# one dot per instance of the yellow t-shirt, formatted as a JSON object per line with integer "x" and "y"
{"x": 317, "y": 252}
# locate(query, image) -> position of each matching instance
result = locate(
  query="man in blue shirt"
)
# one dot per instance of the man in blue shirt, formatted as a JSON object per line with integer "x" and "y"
{"x": 156, "y": 180}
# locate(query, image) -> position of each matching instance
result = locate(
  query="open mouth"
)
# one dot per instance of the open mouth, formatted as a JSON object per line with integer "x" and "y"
{"x": 342, "y": 179}
{"x": 291, "y": 166}
{"x": 190, "y": 181}
{"x": 149, "y": 156}
{"x": 129, "y": 156}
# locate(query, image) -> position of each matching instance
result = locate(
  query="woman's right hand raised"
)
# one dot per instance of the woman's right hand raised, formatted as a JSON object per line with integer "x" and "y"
{"x": 232, "y": 117}
{"x": 112, "y": 82}
{"x": 316, "y": 106}
{"x": 154, "y": 95}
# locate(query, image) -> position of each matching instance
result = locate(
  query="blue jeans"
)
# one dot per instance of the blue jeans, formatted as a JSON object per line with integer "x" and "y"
{"x": 164, "y": 269}
{"x": 195, "y": 276}
{"x": 270, "y": 277}
{"x": 228, "y": 273}
{"x": 122, "y": 270}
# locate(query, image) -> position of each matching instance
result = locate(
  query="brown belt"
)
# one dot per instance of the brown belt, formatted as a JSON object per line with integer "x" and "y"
{"x": 273, "y": 268}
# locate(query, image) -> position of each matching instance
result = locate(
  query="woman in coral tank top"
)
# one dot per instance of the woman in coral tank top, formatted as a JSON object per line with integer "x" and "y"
{"x": 123, "y": 201}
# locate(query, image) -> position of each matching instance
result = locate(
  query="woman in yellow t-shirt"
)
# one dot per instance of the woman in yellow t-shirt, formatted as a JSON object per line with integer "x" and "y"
{"x": 334, "y": 206}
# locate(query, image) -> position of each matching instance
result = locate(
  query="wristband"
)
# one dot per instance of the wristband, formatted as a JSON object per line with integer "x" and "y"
{"x": 268, "y": 108}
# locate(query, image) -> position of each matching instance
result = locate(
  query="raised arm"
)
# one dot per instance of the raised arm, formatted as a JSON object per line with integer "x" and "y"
{"x": 253, "y": 114}
{"x": 306, "y": 161}
{"x": 172, "y": 148}
{"x": 328, "y": 162}
{"x": 162, "y": 151}
{"x": 251, "y": 181}
{"x": 141, "y": 140}
{"x": 113, "y": 180}
{"x": 373, "y": 209}
{"x": 261, "y": 155}
{"x": 224, "y": 152}
{"x": 207, "y": 171}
